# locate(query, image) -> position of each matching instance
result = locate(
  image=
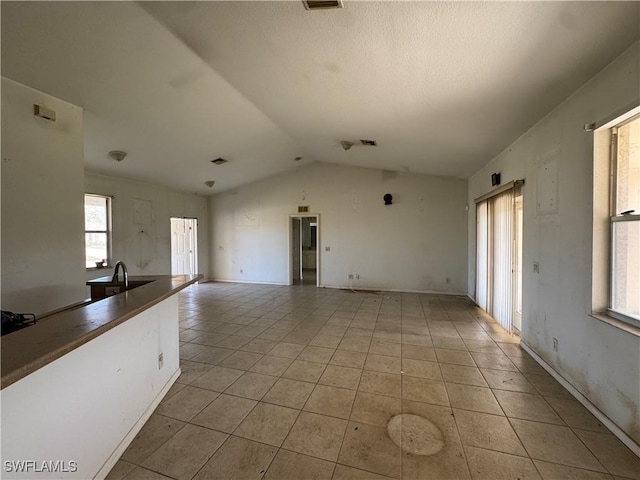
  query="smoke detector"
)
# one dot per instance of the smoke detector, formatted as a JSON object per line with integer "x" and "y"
{"x": 219, "y": 161}
{"x": 322, "y": 4}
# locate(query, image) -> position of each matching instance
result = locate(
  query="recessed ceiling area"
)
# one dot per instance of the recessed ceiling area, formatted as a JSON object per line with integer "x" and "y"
{"x": 442, "y": 87}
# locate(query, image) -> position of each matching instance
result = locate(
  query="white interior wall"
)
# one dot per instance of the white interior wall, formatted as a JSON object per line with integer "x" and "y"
{"x": 42, "y": 202}
{"x": 416, "y": 244}
{"x": 143, "y": 242}
{"x": 83, "y": 406}
{"x": 599, "y": 360}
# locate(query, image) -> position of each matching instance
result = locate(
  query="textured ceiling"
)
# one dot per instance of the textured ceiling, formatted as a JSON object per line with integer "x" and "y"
{"x": 441, "y": 86}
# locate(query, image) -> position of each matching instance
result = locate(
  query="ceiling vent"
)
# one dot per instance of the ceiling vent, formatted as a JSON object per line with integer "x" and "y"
{"x": 369, "y": 143}
{"x": 219, "y": 161}
{"x": 322, "y": 4}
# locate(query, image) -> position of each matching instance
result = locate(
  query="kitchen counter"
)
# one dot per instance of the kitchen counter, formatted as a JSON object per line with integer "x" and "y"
{"x": 29, "y": 349}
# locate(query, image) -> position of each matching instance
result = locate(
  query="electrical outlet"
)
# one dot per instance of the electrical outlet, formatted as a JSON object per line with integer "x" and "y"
{"x": 536, "y": 267}
{"x": 160, "y": 361}
{"x": 448, "y": 280}
{"x": 327, "y": 249}
{"x": 555, "y": 344}
{"x": 351, "y": 276}
{"x": 356, "y": 276}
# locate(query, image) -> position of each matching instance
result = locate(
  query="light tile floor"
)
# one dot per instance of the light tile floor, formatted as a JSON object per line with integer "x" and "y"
{"x": 300, "y": 383}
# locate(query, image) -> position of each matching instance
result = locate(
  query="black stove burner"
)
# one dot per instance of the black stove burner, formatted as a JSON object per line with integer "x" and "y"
{"x": 12, "y": 322}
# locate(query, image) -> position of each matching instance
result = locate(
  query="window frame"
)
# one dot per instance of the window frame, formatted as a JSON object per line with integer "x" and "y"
{"x": 108, "y": 231}
{"x": 616, "y": 217}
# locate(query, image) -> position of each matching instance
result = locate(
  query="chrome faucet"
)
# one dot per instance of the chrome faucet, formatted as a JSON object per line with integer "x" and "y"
{"x": 119, "y": 264}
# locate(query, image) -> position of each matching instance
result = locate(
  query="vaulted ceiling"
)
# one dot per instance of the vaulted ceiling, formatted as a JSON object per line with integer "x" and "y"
{"x": 442, "y": 87}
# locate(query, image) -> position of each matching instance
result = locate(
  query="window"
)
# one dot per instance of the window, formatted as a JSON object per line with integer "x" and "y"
{"x": 97, "y": 230}
{"x": 624, "y": 301}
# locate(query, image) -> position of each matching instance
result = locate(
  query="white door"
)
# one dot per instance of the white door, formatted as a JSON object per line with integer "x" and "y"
{"x": 296, "y": 247}
{"x": 183, "y": 246}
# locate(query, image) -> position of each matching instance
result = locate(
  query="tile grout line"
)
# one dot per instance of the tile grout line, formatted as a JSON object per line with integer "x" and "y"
{"x": 344, "y": 435}
{"x": 455, "y": 420}
{"x": 311, "y": 303}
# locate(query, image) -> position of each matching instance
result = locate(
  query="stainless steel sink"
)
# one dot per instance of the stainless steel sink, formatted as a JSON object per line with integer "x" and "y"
{"x": 107, "y": 289}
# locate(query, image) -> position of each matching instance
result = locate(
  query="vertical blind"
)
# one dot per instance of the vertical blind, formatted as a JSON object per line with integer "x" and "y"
{"x": 503, "y": 234}
{"x": 495, "y": 256}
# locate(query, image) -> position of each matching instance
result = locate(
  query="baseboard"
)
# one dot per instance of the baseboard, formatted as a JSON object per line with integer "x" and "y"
{"x": 606, "y": 421}
{"x": 393, "y": 290}
{"x": 117, "y": 453}
{"x": 347, "y": 287}
{"x": 222, "y": 280}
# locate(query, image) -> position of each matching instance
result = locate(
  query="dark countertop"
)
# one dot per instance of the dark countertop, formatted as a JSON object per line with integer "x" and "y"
{"x": 29, "y": 349}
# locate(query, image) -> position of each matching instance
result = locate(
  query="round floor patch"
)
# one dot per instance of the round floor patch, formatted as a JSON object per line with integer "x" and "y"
{"x": 415, "y": 434}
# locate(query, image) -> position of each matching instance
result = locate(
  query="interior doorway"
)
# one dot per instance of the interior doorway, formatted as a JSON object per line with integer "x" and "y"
{"x": 304, "y": 250}
{"x": 184, "y": 246}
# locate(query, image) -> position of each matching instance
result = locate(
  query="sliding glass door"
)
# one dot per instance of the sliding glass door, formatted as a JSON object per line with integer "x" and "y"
{"x": 497, "y": 285}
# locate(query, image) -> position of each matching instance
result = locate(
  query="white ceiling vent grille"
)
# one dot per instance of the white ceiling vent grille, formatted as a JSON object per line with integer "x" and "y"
{"x": 322, "y": 4}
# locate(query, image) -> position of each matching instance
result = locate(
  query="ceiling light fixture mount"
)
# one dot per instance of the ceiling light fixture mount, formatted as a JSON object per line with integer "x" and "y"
{"x": 346, "y": 144}
{"x": 209, "y": 183}
{"x": 219, "y": 161}
{"x": 117, "y": 155}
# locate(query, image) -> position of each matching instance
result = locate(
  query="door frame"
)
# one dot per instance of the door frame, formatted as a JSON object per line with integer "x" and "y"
{"x": 290, "y": 256}
{"x": 518, "y": 233}
{"x": 194, "y": 239}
